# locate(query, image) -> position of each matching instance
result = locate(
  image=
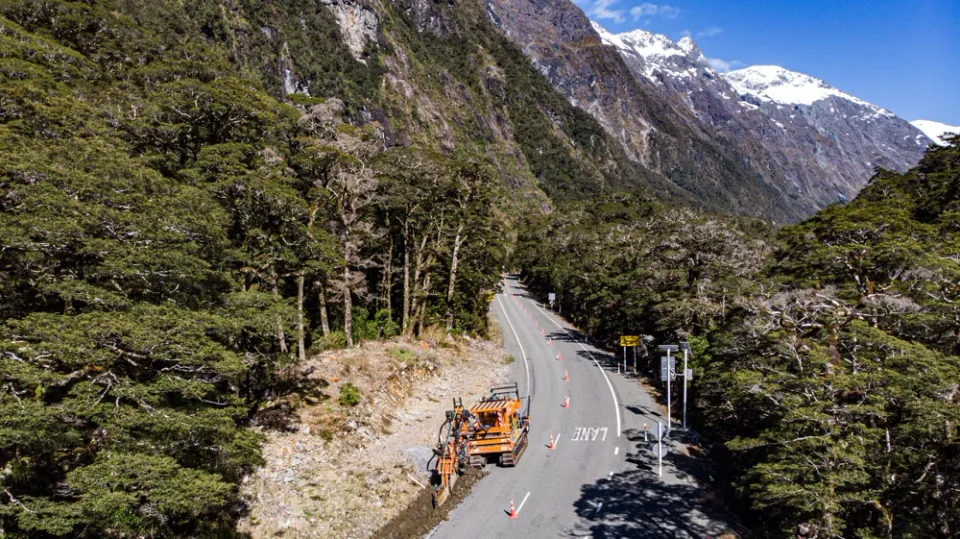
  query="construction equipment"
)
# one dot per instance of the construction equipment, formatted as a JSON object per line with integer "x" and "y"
{"x": 497, "y": 427}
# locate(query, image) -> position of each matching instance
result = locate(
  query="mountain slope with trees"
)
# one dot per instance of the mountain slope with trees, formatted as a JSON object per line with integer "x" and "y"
{"x": 174, "y": 236}
{"x": 826, "y": 355}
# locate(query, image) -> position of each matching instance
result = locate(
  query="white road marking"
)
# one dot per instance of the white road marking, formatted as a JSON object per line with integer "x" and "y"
{"x": 524, "y": 354}
{"x": 523, "y": 502}
{"x": 557, "y": 441}
{"x": 616, "y": 450}
{"x": 616, "y": 405}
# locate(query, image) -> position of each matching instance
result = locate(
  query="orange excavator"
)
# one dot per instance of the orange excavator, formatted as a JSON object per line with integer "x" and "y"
{"x": 496, "y": 427}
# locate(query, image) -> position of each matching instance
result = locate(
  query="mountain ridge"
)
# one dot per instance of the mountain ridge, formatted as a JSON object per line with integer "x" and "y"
{"x": 824, "y": 142}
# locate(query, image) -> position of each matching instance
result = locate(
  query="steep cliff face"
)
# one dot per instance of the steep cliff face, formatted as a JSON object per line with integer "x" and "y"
{"x": 652, "y": 124}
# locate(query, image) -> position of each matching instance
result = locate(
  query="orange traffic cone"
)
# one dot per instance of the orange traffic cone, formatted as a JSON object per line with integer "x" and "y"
{"x": 565, "y": 376}
{"x": 558, "y": 356}
{"x": 542, "y": 333}
{"x": 513, "y": 512}
{"x": 550, "y": 342}
{"x": 566, "y": 402}
{"x": 553, "y": 444}
{"x": 536, "y": 323}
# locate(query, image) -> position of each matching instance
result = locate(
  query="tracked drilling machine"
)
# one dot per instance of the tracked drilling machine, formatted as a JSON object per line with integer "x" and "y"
{"x": 496, "y": 427}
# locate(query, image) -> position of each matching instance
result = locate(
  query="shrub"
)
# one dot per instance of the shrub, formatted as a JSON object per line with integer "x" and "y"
{"x": 349, "y": 395}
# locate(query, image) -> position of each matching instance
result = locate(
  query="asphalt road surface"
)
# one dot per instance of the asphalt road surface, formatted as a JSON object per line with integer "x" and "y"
{"x": 601, "y": 479}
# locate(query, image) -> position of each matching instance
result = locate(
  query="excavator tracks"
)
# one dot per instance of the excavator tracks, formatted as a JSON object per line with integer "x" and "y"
{"x": 511, "y": 458}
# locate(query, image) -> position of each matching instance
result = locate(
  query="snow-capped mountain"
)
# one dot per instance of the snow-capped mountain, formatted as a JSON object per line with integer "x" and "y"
{"x": 655, "y": 52}
{"x": 825, "y": 142}
{"x": 774, "y": 83}
{"x": 934, "y": 130}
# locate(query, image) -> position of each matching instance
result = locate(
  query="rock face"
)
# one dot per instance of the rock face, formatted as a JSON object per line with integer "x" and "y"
{"x": 843, "y": 136}
{"x": 358, "y": 24}
{"x": 654, "y": 127}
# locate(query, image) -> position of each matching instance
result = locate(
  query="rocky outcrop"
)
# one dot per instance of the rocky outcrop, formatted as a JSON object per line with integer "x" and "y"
{"x": 358, "y": 24}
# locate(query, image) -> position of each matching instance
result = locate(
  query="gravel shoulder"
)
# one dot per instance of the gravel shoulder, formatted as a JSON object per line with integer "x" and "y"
{"x": 344, "y": 471}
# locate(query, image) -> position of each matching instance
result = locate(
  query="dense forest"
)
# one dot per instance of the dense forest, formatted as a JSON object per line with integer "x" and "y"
{"x": 180, "y": 223}
{"x": 827, "y": 355}
{"x": 172, "y": 235}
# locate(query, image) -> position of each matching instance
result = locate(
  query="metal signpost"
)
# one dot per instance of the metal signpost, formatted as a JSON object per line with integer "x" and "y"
{"x": 670, "y": 373}
{"x": 660, "y": 448}
{"x": 687, "y": 373}
{"x": 551, "y": 297}
{"x": 630, "y": 340}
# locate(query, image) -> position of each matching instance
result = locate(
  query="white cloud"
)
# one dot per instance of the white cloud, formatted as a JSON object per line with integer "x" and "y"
{"x": 685, "y": 33}
{"x": 647, "y": 9}
{"x": 710, "y": 32}
{"x": 603, "y": 9}
{"x": 723, "y": 66}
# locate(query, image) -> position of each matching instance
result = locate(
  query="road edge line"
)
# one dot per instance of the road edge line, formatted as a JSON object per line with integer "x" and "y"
{"x": 616, "y": 403}
{"x": 526, "y": 365}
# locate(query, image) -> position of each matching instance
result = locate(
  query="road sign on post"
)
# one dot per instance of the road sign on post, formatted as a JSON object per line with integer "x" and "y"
{"x": 629, "y": 340}
{"x": 668, "y": 370}
{"x": 551, "y": 297}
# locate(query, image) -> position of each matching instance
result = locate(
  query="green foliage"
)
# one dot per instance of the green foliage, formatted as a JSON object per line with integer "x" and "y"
{"x": 828, "y": 355}
{"x": 160, "y": 212}
{"x": 349, "y": 395}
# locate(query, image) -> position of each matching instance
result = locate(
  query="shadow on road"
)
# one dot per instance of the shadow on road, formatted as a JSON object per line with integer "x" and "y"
{"x": 638, "y": 504}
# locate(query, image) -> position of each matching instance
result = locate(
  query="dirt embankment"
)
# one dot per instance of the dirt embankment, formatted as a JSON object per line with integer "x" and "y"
{"x": 344, "y": 471}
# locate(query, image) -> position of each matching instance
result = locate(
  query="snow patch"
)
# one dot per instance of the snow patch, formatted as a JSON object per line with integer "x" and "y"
{"x": 933, "y": 130}
{"x": 774, "y": 83}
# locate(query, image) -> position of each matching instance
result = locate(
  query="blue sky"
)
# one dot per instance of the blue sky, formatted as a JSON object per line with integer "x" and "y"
{"x": 904, "y": 56}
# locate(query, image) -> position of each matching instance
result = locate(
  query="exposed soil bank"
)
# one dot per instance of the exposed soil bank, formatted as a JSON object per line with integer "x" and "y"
{"x": 340, "y": 471}
{"x": 420, "y": 516}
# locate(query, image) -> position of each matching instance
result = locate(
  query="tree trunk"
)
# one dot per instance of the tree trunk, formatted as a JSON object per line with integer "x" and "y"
{"x": 347, "y": 300}
{"x": 322, "y": 299}
{"x": 418, "y": 268}
{"x": 388, "y": 278}
{"x": 423, "y": 304}
{"x": 276, "y": 292}
{"x": 457, "y": 241}
{"x": 406, "y": 278}
{"x": 301, "y": 351}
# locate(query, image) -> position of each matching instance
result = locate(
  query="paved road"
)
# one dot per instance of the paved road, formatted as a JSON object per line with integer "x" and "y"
{"x": 601, "y": 480}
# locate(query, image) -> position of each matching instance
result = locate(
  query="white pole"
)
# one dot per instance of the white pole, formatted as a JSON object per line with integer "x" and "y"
{"x": 668, "y": 389}
{"x": 634, "y": 360}
{"x": 660, "y": 447}
{"x": 624, "y": 360}
{"x": 684, "y": 389}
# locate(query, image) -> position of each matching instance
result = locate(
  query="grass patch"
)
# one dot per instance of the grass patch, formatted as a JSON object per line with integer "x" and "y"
{"x": 404, "y": 355}
{"x": 508, "y": 360}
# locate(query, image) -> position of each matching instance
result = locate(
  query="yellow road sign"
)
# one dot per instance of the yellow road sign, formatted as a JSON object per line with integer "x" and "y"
{"x": 629, "y": 340}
